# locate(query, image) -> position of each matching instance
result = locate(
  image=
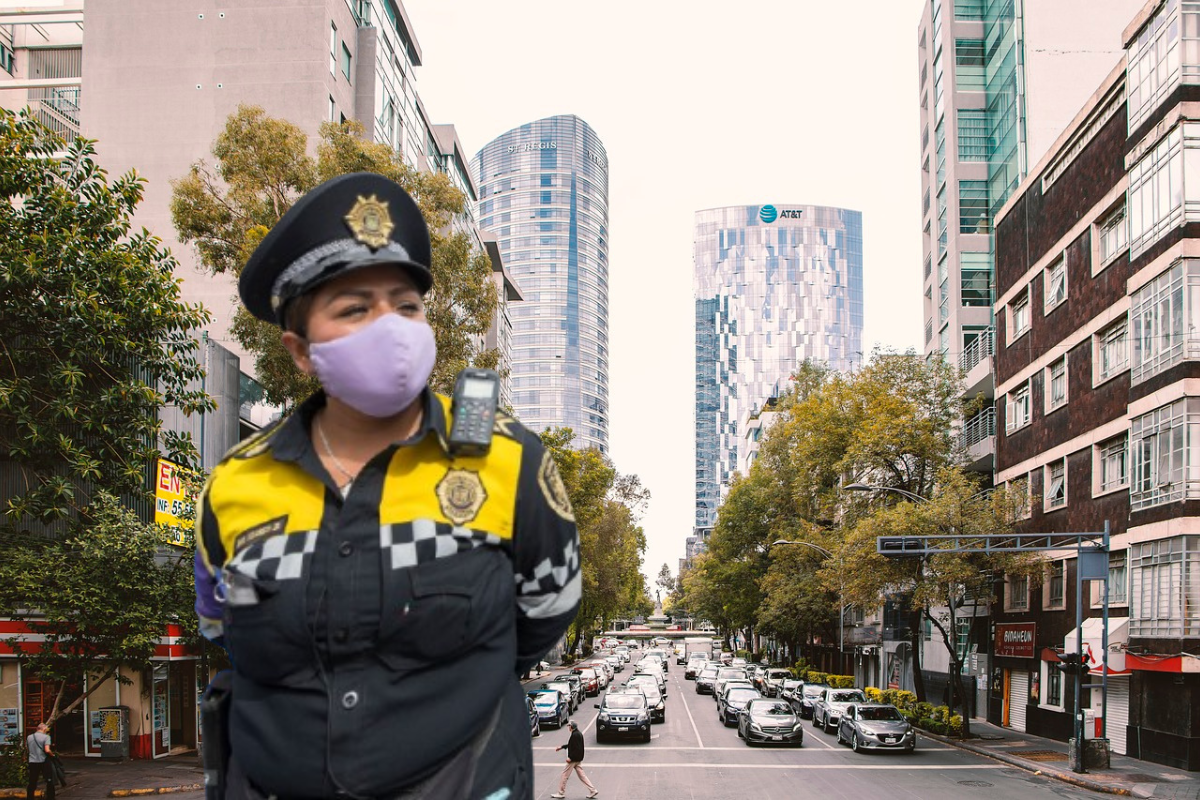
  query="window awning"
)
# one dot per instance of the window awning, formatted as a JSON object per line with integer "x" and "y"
{"x": 1093, "y": 644}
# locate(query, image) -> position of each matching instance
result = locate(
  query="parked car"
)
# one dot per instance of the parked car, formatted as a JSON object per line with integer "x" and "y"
{"x": 622, "y": 652}
{"x": 695, "y": 663}
{"x": 565, "y": 687}
{"x": 770, "y": 722}
{"x": 730, "y": 704}
{"x": 830, "y": 705}
{"x": 789, "y": 689}
{"x": 605, "y": 671}
{"x": 652, "y": 669}
{"x": 578, "y": 692}
{"x": 591, "y": 680}
{"x": 552, "y": 707}
{"x": 807, "y": 698}
{"x": 623, "y": 713}
{"x": 648, "y": 679}
{"x": 661, "y": 655}
{"x": 739, "y": 662}
{"x": 615, "y": 663}
{"x": 706, "y": 678}
{"x": 770, "y": 680}
{"x": 535, "y": 722}
{"x": 732, "y": 683}
{"x": 874, "y": 726}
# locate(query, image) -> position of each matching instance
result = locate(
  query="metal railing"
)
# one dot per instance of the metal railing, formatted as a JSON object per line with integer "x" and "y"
{"x": 58, "y": 109}
{"x": 979, "y": 427}
{"x": 982, "y": 347}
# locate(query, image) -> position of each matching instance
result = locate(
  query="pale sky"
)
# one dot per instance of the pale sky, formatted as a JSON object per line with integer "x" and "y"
{"x": 699, "y": 104}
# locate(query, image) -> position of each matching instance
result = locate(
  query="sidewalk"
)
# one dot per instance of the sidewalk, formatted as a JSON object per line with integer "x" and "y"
{"x": 95, "y": 778}
{"x": 1125, "y": 776}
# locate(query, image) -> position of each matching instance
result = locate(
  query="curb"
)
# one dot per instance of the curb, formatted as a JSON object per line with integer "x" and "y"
{"x": 1021, "y": 763}
{"x": 190, "y": 787}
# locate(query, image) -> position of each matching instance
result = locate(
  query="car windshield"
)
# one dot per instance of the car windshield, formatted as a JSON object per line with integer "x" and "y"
{"x": 587, "y": 673}
{"x": 625, "y": 701}
{"x": 790, "y": 683}
{"x": 730, "y": 685}
{"x": 879, "y": 714}
{"x": 709, "y": 672}
{"x": 565, "y": 688}
{"x": 771, "y": 707}
{"x": 546, "y": 699}
{"x": 740, "y": 695}
{"x": 731, "y": 672}
{"x": 779, "y": 673}
{"x": 651, "y": 693}
{"x": 846, "y": 697}
{"x": 813, "y": 691}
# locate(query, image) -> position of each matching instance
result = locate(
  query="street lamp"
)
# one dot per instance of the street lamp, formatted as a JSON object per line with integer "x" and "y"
{"x": 841, "y": 595}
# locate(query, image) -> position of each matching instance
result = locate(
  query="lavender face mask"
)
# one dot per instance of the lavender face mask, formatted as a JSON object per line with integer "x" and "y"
{"x": 380, "y": 369}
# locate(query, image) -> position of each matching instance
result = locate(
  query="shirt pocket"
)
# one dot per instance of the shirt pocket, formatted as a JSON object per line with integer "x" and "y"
{"x": 437, "y": 611}
{"x": 267, "y": 640}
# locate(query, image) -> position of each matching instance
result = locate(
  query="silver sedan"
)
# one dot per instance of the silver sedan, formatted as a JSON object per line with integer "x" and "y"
{"x": 872, "y": 726}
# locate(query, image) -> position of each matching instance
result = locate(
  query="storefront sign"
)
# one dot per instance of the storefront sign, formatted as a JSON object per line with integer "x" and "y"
{"x": 171, "y": 503}
{"x": 1015, "y": 640}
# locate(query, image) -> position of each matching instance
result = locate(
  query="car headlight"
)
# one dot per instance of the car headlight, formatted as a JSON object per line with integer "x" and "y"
{"x": 798, "y": 727}
{"x": 642, "y": 716}
{"x": 754, "y": 726}
{"x": 660, "y": 706}
{"x": 604, "y": 716}
{"x": 868, "y": 731}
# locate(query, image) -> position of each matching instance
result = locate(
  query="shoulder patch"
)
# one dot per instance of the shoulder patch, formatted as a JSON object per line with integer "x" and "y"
{"x": 553, "y": 488}
{"x": 461, "y": 494}
{"x": 506, "y": 426}
{"x": 257, "y": 444}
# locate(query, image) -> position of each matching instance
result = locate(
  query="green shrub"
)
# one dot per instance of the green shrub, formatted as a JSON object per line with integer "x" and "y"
{"x": 900, "y": 698}
{"x": 874, "y": 695}
{"x": 955, "y": 726}
{"x": 12, "y": 762}
{"x": 923, "y": 710}
{"x": 925, "y": 722}
{"x": 841, "y": 681}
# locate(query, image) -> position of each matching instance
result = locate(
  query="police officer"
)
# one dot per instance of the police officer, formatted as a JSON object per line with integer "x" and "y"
{"x": 377, "y": 593}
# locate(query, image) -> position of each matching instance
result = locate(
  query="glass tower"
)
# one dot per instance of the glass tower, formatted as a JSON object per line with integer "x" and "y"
{"x": 543, "y": 192}
{"x": 774, "y": 286}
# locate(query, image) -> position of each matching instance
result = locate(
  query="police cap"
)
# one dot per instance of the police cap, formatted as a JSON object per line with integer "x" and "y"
{"x": 351, "y": 221}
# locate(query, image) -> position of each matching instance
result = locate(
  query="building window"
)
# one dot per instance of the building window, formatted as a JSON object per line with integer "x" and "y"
{"x": 345, "y": 61}
{"x": 333, "y": 43}
{"x": 1118, "y": 579}
{"x": 1054, "y": 591}
{"x": 1156, "y": 193}
{"x": 1159, "y": 316}
{"x": 1054, "y": 279}
{"x": 1153, "y": 63}
{"x": 1020, "y": 490}
{"x": 939, "y": 138}
{"x": 973, "y": 135}
{"x": 968, "y": 65}
{"x": 1165, "y": 588}
{"x": 1112, "y": 351}
{"x": 1017, "y": 414}
{"x": 1052, "y": 681}
{"x": 975, "y": 278}
{"x": 943, "y": 221}
{"x": 928, "y": 331}
{"x": 1018, "y": 316}
{"x": 973, "y": 207}
{"x": 1114, "y": 463}
{"x": 1160, "y": 460}
{"x": 332, "y": 109}
{"x": 969, "y": 10}
{"x": 7, "y": 59}
{"x": 1056, "y": 384}
{"x": 1056, "y": 485}
{"x": 1113, "y": 233}
{"x": 1016, "y": 593}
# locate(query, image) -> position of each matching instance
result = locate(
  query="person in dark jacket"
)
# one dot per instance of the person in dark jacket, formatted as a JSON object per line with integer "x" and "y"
{"x": 574, "y": 747}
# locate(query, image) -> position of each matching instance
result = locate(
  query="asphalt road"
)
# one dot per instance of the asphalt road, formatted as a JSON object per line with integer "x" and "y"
{"x": 692, "y": 756}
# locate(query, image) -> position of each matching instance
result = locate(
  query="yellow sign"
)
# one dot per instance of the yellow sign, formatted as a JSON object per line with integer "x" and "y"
{"x": 171, "y": 503}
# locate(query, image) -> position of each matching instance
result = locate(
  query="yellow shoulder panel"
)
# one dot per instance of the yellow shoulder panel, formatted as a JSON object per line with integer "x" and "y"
{"x": 248, "y": 493}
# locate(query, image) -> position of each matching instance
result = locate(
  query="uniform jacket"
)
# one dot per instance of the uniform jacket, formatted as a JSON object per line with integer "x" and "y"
{"x": 375, "y": 635}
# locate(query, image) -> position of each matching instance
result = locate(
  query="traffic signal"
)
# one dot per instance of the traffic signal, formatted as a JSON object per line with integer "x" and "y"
{"x": 900, "y": 547}
{"x": 1071, "y": 664}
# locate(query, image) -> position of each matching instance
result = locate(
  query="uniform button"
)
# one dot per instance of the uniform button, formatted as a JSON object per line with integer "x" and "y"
{"x": 349, "y": 699}
{"x": 341, "y": 635}
{"x": 346, "y": 549}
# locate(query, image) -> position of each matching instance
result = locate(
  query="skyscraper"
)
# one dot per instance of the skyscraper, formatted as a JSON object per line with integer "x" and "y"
{"x": 543, "y": 190}
{"x": 774, "y": 286}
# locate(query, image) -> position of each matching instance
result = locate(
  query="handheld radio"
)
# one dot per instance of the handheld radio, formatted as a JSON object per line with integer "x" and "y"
{"x": 473, "y": 411}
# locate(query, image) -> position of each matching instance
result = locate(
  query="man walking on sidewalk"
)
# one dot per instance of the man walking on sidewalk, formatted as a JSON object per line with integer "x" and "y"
{"x": 574, "y": 747}
{"x": 38, "y": 744}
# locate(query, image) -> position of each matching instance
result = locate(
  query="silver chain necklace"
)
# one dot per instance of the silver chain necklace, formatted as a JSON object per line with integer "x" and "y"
{"x": 350, "y": 476}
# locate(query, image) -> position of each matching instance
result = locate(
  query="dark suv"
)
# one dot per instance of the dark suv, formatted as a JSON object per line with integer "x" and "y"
{"x": 623, "y": 714}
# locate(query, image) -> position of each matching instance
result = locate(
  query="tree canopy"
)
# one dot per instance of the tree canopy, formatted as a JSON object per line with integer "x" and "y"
{"x": 261, "y": 167}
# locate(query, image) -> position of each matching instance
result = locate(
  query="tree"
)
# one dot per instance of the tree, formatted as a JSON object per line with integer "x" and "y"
{"x": 947, "y": 581}
{"x": 95, "y": 337}
{"x": 607, "y": 506}
{"x": 664, "y": 581}
{"x": 100, "y": 597}
{"x": 261, "y": 168}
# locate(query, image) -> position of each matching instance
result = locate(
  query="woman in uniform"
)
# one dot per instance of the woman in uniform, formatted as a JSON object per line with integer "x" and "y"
{"x": 377, "y": 591}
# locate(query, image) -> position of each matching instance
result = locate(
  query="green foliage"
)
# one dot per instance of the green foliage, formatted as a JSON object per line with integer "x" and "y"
{"x": 874, "y": 695}
{"x": 99, "y": 596}
{"x": 12, "y": 762}
{"x": 902, "y": 699}
{"x": 607, "y": 507}
{"x": 261, "y": 168}
{"x": 96, "y": 339}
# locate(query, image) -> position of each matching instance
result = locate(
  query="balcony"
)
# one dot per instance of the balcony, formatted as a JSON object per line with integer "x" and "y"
{"x": 978, "y": 438}
{"x": 976, "y": 364}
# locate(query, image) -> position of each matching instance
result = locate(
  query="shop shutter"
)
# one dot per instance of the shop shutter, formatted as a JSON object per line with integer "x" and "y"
{"x": 1018, "y": 698}
{"x": 1118, "y": 713}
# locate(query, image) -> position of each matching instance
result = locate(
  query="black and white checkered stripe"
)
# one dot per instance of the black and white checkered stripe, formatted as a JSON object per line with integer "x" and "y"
{"x": 554, "y": 586}
{"x": 280, "y": 557}
{"x": 423, "y": 540}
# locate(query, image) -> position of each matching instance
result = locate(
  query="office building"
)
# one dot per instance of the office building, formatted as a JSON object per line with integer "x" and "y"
{"x": 543, "y": 193}
{"x": 774, "y": 285}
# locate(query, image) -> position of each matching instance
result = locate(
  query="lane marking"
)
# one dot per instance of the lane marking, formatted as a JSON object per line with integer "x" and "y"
{"x": 843, "y": 767}
{"x": 691, "y": 718}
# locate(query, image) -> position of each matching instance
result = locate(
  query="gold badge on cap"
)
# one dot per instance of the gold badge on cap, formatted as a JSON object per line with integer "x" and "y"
{"x": 370, "y": 222}
{"x": 461, "y": 494}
